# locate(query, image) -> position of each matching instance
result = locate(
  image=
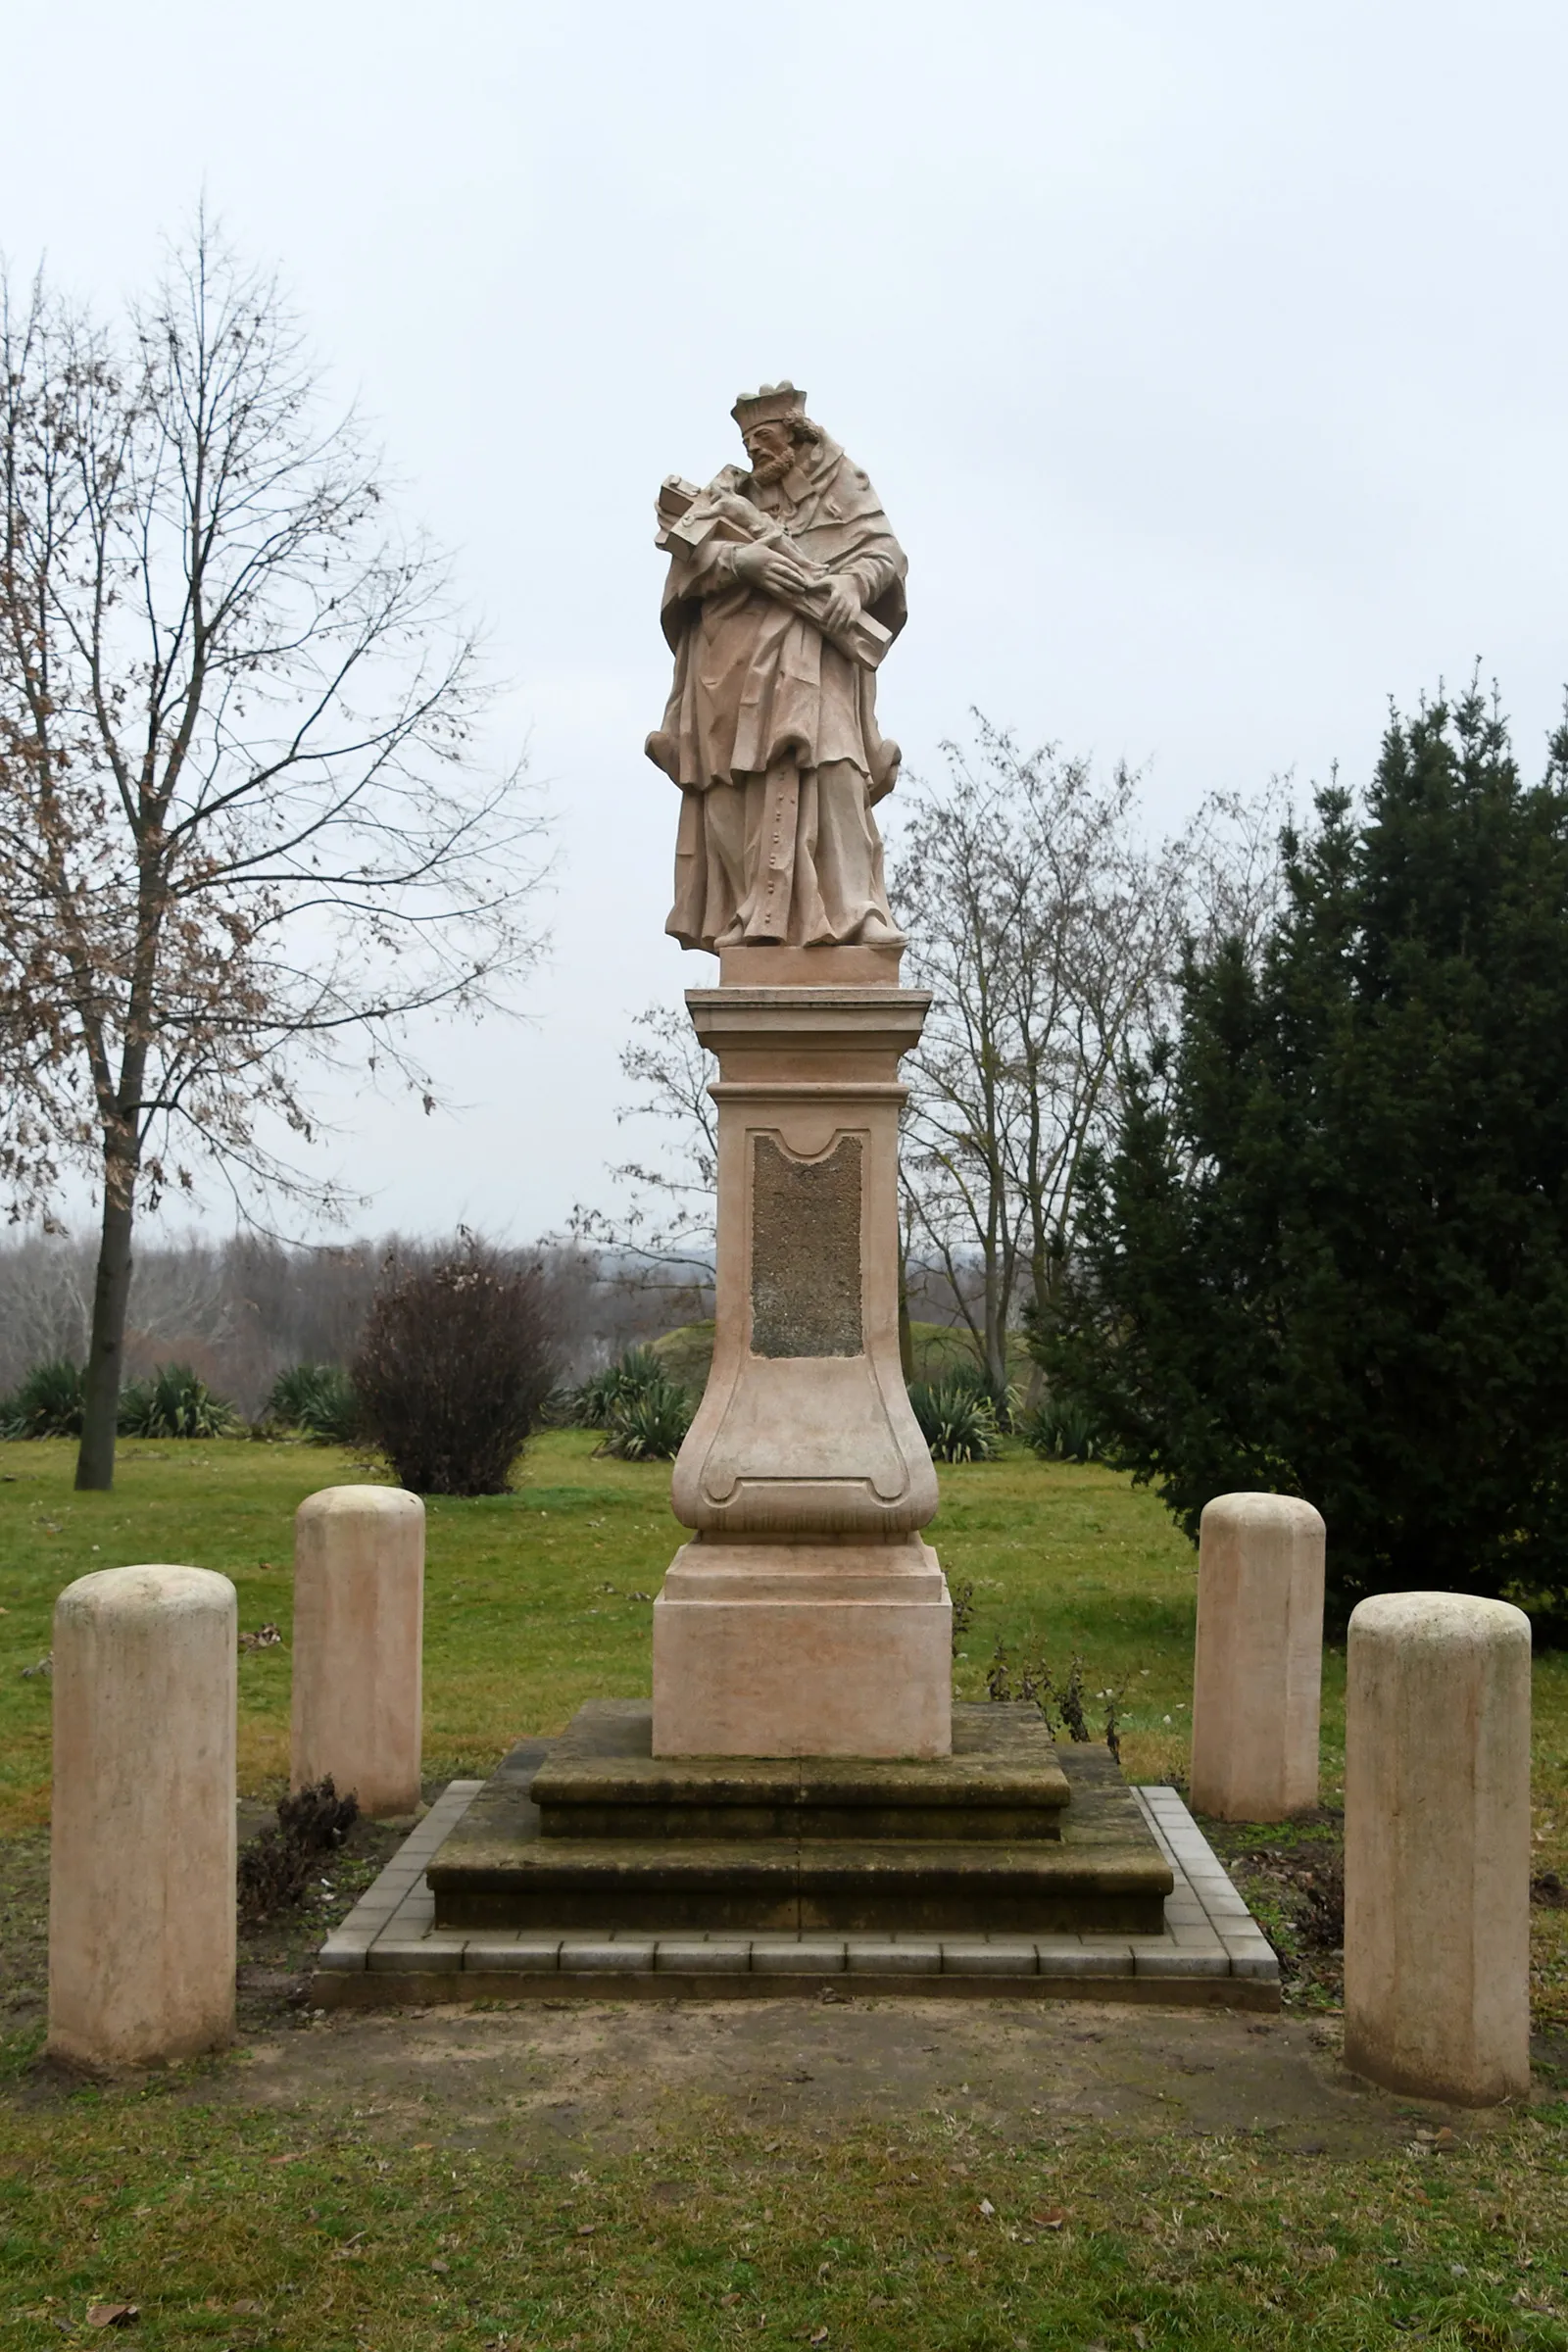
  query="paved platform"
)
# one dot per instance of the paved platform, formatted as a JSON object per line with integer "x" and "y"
{"x": 389, "y": 1950}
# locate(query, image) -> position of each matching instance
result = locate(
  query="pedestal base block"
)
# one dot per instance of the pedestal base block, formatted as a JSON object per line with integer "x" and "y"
{"x": 804, "y": 1649}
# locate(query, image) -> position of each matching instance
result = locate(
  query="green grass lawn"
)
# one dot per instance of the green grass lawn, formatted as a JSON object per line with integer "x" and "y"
{"x": 532, "y": 1598}
{"x": 234, "y": 2229}
{"x": 538, "y": 1599}
{"x": 233, "y": 2224}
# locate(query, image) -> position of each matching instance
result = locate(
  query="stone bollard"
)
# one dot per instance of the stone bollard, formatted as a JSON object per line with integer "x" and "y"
{"x": 141, "y": 1871}
{"x": 359, "y": 1629}
{"x": 1258, "y": 1670}
{"x": 1437, "y": 1846}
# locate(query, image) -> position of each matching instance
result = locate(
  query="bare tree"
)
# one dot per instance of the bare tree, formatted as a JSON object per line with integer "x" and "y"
{"x": 1235, "y": 867}
{"x": 244, "y": 823}
{"x": 1047, "y": 932}
{"x": 665, "y": 1233}
{"x": 45, "y": 1303}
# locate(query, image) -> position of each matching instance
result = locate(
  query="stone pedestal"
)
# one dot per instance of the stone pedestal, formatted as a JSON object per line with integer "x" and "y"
{"x": 802, "y": 1767}
{"x": 1437, "y": 1846}
{"x": 359, "y": 1632}
{"x": 141, "y": 1871}
{"x": 1258, "y": 1670}
{"x": 806, "y": 1617}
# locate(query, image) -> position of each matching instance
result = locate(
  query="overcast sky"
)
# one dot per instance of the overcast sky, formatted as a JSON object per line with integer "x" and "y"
{"x": 1211, "y": 359}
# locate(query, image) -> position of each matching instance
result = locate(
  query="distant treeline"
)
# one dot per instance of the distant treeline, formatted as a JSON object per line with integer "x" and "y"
{"x": 239, "y": 1312}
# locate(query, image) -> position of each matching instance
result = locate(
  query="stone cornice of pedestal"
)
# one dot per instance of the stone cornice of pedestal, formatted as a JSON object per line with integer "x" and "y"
{"x": 819, "y": 1019}
{"x": 799, "y": 1044}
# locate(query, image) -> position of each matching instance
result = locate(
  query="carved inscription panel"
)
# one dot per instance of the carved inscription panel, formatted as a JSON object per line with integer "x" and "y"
{"x": 805, "y": 1251}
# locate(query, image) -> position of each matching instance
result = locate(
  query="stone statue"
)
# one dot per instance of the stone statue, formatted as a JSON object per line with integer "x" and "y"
{"x": 785, "y": 589}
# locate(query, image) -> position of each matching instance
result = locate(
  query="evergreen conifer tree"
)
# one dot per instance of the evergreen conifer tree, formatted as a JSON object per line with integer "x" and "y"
{"x": 1328, "y": 1251}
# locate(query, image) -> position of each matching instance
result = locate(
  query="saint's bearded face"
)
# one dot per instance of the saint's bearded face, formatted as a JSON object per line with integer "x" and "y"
{"x": 771, "y": 451}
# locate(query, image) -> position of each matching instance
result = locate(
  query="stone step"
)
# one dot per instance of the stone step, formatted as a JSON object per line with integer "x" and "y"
{"x": 1103, "y": 1872}
{"x": 1003, "y": 1784}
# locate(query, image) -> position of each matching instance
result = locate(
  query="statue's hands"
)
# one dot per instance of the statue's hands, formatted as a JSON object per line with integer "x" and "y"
{"x": 770, "y": 569}
{"x": 840, "y": 607}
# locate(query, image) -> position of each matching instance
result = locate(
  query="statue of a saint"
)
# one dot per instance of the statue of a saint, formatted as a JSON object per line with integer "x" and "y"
{"x": 785, "y": 589}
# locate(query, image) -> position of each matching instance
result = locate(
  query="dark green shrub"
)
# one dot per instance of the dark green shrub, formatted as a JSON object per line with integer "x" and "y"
{"x": 47, "y": 1405}
{"x": 453, "y": 1370}
{"x": 318, "y": 1399}
{"x": 174, "y": 1403}
{"x": 957, "y": 1419}
{"x": 1325, "y": 1253}
{"x": 647, "y": 1424}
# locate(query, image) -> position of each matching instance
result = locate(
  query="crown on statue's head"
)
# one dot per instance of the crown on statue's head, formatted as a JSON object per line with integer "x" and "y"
{"x": 769, "y": 403}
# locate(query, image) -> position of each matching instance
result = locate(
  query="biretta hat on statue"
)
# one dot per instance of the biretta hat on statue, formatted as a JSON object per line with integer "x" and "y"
{"x": 771, "y": 401}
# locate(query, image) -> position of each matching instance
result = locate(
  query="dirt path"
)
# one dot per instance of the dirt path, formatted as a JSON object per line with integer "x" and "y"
{"x": 568, "y": 2079}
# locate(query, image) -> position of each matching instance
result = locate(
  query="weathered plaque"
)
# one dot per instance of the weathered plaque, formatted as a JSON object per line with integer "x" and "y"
{"x": 805, "y": 1251}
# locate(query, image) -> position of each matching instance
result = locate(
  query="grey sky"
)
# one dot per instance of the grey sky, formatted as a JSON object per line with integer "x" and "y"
{"x": 1209, "y": 359}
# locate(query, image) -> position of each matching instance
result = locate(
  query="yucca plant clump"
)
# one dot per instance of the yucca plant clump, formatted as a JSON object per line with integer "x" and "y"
{"x": 47, "y": 1405}
{"x": 956, "y": 1417}
{"x": 318, "y": 1399}
{"x": 627, "y": 1377}
{"x": 648, "y": 1423}
{"x": 173, "y": 1402}
{"x": 1061, "y": 1430}
{"x": 454, "y": 1371}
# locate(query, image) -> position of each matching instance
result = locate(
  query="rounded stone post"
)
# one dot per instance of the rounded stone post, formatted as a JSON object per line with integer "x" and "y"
{"x": 1258, "y": 1670}
{"x": 141, "y": 1872}
{"x": 359, "y": 1631}
{"x": 1437, "y": 1846}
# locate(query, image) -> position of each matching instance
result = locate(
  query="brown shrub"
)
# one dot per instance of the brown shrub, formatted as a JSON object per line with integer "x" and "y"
{"x": 454, "y": 1366}
{"x": 276, "y": 1866}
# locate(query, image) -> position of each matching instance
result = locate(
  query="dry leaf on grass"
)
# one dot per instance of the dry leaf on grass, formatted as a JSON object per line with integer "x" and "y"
{"x": 112, "y": 2315}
